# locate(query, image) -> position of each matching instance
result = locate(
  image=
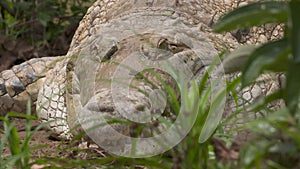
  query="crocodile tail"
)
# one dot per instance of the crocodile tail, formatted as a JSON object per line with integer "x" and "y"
{"x": 22, "y": 82}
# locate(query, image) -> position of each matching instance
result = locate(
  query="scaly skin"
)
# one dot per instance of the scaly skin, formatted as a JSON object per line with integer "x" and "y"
{"x": 61, "y": 94}
{"x": 22, "y": 82}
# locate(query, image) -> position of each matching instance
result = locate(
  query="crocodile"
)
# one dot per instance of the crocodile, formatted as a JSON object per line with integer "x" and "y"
{"x": 124, "y": 31}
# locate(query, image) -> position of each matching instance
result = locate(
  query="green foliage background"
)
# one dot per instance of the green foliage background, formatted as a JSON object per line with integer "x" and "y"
{"x": 40, "y": 20}
{"x": 277, "y": 141}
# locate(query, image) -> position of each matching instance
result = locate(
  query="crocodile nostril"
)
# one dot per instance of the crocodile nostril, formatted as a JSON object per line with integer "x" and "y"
{"x": 110, "y": 53}
{"x": 95, "y": 107}
{"x": 105, "y": 108}
{"x": 140, "y": 107}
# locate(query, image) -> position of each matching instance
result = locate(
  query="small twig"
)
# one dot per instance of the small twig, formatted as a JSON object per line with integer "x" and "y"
{"x": 32, "y": 128}
{"x": 25, "y": 23}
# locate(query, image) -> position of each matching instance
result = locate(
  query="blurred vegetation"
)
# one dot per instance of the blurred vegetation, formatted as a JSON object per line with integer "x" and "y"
{"x": 277, "y": 141}
{"x": 37, "y": 28}
{"x": 40, "y": 21}
{"x": 18, "y": 17}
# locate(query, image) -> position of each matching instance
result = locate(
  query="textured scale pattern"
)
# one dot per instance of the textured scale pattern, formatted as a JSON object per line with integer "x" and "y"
{"x": 21, "y": 83}
{"x": 50, "y": 79}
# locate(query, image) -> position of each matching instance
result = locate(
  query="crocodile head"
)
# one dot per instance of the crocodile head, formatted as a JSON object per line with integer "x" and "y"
{"x": 119, "y": 77}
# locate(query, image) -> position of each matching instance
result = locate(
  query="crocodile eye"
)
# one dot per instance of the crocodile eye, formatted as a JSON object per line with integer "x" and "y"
{"x": 165, "y": 44}
{"x": 173, "y": 48}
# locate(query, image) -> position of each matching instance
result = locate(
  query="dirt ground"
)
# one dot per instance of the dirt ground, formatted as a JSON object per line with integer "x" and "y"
{"x": 52, "y": 152}
{"x": 40, "y": 138}
{"x": 59, "y": 153}
{"x": 13, "y": 52}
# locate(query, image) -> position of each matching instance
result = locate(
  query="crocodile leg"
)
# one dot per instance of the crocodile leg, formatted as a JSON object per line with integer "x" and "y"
{"x": 22, "y": 83}
{"x": 51, "y": 101}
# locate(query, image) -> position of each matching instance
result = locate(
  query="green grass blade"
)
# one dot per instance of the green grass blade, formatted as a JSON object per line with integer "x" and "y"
{"x": 13, "y": 162}
{"x": 272, "y": 56}
{"x": 293, "y": 78}
{"x": 218, "y": 94}
{"x": 295, "y": 39}
{"x": 235, "y": 61}
{"x": 253, "y": 15}
{"x": 4, "y": 139}
{"x": 26, "y": 145}
{"x": 214, "y": 116}
{"x": 13, "y": 139}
